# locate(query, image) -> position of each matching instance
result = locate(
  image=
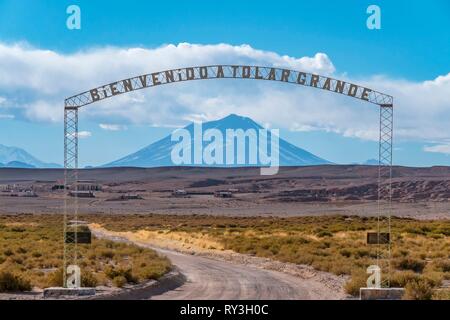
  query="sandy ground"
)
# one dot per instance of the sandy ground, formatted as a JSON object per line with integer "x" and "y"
{"x": 220, "y": 274}
{"x": 240, "y": 205}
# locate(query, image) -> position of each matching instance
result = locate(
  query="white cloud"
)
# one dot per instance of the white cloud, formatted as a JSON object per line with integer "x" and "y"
{"x": 84, "y": 134}
{"x": 439, "y": 148}
{"x": 7, "y": 116}
{"x": 44, "y": 78}
{"x": 112, "y": 127}
{"x": 43, "y": 110}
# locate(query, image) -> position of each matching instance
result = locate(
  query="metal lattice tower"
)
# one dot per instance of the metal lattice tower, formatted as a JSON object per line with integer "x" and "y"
{"x": 385, "y": 192}
{"x": 70, "y": 184}
{"x": 384, "y": 101}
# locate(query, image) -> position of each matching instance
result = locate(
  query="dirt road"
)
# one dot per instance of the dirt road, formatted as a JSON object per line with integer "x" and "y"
{"x": 215, "y": 279}
{"x": 212, "y": 279}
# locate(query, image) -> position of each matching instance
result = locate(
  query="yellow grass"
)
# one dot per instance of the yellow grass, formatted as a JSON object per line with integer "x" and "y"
{"x": 31, "y": 249}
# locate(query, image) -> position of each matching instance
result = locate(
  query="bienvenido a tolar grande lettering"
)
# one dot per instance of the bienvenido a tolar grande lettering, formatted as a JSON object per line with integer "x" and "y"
{"x": 230, "y": 71}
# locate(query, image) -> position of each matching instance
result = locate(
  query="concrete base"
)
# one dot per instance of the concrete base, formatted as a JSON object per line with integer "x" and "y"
{"x": 57, "y": 292}
{"x": 381, "y": 293}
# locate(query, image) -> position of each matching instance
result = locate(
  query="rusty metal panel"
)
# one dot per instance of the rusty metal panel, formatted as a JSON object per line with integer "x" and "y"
{"x": 372, "y": 238}
{"x": 78, "y": 237}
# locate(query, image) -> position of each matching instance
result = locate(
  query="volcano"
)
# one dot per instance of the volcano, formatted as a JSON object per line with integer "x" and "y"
{"x": 158, "y": 154}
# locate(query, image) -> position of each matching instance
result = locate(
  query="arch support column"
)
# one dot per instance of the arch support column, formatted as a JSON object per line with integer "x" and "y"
{"x": 385, "y": 192}
{"x": 70, "y": 186}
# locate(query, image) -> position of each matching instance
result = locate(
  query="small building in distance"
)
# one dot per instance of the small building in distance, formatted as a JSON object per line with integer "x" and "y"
{"x": 18, "y": 190}
{"x": 81, "y": 194}
{"x": 130, "y": 196}
{"x": 88, "y": 185}
{"x": 59, "y": 185}
{"x": 82, "y": 185}
{"x": 223, "y": 194}
{"x": 27, "y": 193}
{"x": 6, "y": 187}
{"x": 179, "y": 193}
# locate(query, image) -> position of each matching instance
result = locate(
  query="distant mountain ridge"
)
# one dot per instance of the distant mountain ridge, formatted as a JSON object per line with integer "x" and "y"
{"x": 158, "y": 154}
{"x": 371, "y": 162}
{"x": 13, "y": 157}
{"x": 17, "y": 164}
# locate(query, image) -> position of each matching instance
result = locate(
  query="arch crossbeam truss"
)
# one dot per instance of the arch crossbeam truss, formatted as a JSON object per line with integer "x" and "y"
{"x": 384, "y": 101}
{"x": 228, "y": 72}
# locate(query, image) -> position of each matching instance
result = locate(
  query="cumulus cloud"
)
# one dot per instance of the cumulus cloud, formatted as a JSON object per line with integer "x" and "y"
{"x": 112, "y": 127}
{"x": 43, "y": 78}
{"x": 439, "y": 148}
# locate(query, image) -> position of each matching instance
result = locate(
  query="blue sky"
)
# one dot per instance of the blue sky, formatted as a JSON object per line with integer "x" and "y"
{"x": 412, "y": 47}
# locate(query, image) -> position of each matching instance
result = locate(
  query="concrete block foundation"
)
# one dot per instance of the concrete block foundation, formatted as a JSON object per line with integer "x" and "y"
{"x": 381, "y": 293}
{"x": 58, "y": 292}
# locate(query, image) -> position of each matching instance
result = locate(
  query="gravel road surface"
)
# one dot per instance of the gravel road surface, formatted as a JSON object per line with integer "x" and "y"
{"x": 209, "y": 279}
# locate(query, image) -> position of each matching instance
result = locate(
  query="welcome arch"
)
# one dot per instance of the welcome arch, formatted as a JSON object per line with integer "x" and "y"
{"x": 384, "y": 101}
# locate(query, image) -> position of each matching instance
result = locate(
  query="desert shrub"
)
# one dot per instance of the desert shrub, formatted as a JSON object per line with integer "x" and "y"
{"x": 119, "y": 281}
{"x": 357, "y": 281}
{"x": 445, "y": 231}
{"x": 433, "y": 278}
{"x": 88, "y": 279}
{"x": 55, "y": 278}
{"x": 109, "y": 244}
{"x": 8, "y": 252}
{"x": 10, "y": 282}
{"x": 418, "y": 290}
{"x": 443, "y": 265}
{"x": 108, "y": 254}
{"x": 154, "y": 271}
{"x": 361, "y": 253}
{"x": 402, "y": 278}
{"x": 21, "y": 250}
{"x": 324, "y": 233}
{"x": 110, "y": 272}
{"x": 410, "y": 264}
{"x": 441, "y": 294}
{"x": 113, "y": 273}
{"x": 400, "y": 253}
{"x": 341, "y": 269}
{"x": 346, "y": 253}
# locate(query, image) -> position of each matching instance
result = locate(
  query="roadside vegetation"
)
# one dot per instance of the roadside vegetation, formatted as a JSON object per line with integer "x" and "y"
{"x": 336, "y": 244}
{"x": 31, "y": 253}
